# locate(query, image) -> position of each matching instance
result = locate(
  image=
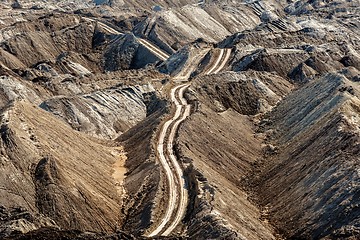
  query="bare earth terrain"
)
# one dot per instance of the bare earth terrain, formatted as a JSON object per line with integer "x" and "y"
{"x": 126, "y": 119}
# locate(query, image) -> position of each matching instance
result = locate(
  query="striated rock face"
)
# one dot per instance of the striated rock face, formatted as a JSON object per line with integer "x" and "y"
{"x": 300, "y": 63}
{"x": 14, "y": 89}
{"x": 70, "y": 45}
{"x": 127, "y": 53}
{"x": 56, "y": 178}
{"x": 287, "y": 159}
{"x": 105, "y": 113}
{"x": 270, "y": 60}
{"x": 218, "y": 161}
{"x": 18, "y": 220}
{"x": 186, "y": 24}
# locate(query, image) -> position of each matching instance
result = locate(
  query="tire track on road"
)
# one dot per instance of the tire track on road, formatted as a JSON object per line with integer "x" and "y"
{"x": 167, "y": 161}
{"x": 178, "y": 193}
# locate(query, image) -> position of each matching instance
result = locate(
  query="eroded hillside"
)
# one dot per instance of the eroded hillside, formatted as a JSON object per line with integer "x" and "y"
{"x": 48, "y": 174}
{"x": 182, "y": 119}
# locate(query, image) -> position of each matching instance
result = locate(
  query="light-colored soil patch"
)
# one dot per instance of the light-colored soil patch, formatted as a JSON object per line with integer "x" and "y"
{"x": 119, "y": 170}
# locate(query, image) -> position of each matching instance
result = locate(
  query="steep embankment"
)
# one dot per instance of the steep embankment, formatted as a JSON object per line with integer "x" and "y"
{"x": 248, "y": 93}
{"x": 218, "y": 207}
{"x": 74, "y": 186}
{"x": 310, "y": 186}
{"x": 55, "y": 176}
{"x": 152, "y": 4}
{"x": 144, "y": 184}
{"x": 70, "y": 44}
{"x": 258, "y": 162}
{"x": 127, "y": 52}
{"x": 48, "y": 42}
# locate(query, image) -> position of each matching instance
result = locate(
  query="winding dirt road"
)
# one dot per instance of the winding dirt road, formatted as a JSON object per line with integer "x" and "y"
{"x": 222, "y": 59}
{"x": 175, "y": 178}
{"x": 177, "y": 188}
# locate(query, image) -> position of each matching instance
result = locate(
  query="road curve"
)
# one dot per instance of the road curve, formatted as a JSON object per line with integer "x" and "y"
{"x": 212, "y": 69}
{"x": 176, "y": 192}
{"x": 223, "y": 61}
{"x": 220, "y": 62}
{"x": 183, "y": 197}
{"x": 190, "y": 66}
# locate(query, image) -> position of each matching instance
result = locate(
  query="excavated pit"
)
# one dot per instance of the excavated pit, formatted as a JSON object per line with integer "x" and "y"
{"x": 270, "y": 150}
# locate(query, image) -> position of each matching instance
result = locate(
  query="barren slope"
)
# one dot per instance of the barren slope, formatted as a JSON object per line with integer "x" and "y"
{"x": 219, "y": 142}
{"x": 316, "y": 166}
{"x": 105, "y": 113}
{"x": 54, "y": 175}
{"x": 270, "y": 150}
{"x": 176, "y": 27}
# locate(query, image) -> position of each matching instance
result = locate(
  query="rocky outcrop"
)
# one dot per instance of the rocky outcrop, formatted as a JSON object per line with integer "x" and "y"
{"x": 18, "y": 220}
{"x": 185, "y": 62}
{"x": 15, "y": 89}
{"x": 271, "y": 60}
{"x": 125, "y": 53}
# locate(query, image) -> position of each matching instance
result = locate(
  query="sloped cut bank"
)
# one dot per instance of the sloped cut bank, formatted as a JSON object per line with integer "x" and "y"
{"x": 311, "y": 186}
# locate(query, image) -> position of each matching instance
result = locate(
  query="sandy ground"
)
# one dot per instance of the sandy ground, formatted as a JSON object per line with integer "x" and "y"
{"x": 120, "y": 170}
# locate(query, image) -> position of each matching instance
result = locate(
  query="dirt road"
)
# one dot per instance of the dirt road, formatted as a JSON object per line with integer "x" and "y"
{"x": 178, "y": 193}
{"x": 177, "y": 186}
{"x": 104, "y": 26}
{"x": 219, "y": 64}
